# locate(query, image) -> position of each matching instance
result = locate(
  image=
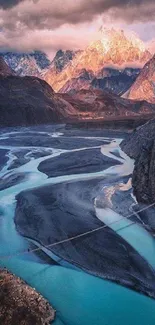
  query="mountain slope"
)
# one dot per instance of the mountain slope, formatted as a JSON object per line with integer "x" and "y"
{"x": 108, "y": 79}
{"x": 83, "y": 81}
{"x": 113, "y": 48}
{"x": 30, "y": 100}
{"x": 144, "y": 86}
{"x": 4, "y": 68}
{"x": 139, "y": 139}
{"x": 27, "y": 64}
{"x": 61, "y": 60}
{"x": 96, "y": 104}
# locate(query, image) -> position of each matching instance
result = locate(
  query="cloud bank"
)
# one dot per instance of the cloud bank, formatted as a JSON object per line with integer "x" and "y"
{"x": 52, "y": 14}
{"x": 57, "y": 21}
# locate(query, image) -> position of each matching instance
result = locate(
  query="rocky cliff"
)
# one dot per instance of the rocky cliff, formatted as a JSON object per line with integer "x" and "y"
{"x": 140, "y": 139}
{"x": 144, "y": 174}
{"x": 140, "y": 145}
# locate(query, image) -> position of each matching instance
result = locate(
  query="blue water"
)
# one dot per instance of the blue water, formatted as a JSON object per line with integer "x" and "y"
{"x": 82, "y": 299}
{"x": 78, "y": 297}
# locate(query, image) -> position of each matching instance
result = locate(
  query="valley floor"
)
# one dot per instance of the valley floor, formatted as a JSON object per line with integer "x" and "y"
{"x": 57, "y": 183}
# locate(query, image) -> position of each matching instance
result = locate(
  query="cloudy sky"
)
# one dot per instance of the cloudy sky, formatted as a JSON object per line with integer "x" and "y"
{"x": 69, "y": 24}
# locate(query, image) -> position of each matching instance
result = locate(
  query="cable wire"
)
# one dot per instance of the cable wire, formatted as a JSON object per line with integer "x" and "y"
{"x": 3, "y": 257}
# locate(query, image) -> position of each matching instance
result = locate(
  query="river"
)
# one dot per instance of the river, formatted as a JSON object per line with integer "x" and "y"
{"x": 78, "y": 297}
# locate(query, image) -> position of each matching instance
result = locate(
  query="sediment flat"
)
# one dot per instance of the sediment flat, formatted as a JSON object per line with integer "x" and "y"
{"x": 56, "y": 212}
{"x": 83, "y": 161}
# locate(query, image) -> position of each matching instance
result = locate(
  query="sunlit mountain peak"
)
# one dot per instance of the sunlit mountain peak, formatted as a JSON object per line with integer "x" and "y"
{"x": 112, "y": 48}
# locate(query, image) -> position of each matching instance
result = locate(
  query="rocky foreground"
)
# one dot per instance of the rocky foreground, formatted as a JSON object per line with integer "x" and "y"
{"x": 20, "y": 304}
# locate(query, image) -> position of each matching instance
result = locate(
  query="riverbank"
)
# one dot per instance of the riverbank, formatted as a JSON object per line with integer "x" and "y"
{"x": 70, "y": 290}
{"x": 64, "y": 208}
{"x": 20, "y": 304}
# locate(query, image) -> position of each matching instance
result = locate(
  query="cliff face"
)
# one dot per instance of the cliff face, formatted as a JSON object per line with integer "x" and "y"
{"x": 140, "y": 145}
{"x": 139, "y": 139}
{"x": 144, "y": 175}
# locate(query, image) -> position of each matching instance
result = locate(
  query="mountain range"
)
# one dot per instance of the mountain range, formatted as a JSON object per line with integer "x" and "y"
{"x": 29, "y": 100}
{"x": 111, "y": 63}
{"x": 108, "y": 79}
{"x": 88, "y": 68}
{"x": 84, "y": 86}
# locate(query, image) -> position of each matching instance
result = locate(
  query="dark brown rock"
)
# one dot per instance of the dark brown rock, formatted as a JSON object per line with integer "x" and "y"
{"x": 20, "y": 304}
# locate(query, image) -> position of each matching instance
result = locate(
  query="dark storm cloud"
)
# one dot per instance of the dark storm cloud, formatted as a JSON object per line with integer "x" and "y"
{"x": 55, "y": 13}
{"x": 8, "y": 3}
{"x": 5, "y": 4}
{"x": 40, "y": 14}
{"x": 29, "y": 23}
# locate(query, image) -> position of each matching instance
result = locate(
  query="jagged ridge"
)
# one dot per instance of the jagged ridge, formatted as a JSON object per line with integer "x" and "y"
{"x": 113, "y": 48}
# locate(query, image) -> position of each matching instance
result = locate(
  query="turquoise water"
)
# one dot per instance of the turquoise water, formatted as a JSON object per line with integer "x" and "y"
{"x": 82, "y": 299}
{"x": 78, "y": 297}
{"x": 134, "y": 234}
